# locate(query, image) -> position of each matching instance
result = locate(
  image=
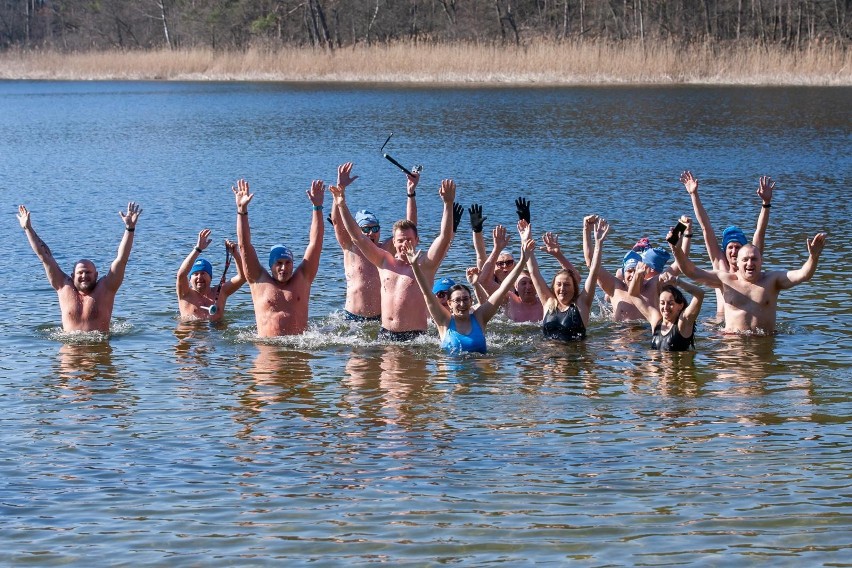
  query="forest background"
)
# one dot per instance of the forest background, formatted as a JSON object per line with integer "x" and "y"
{"x": 549, "y": 41}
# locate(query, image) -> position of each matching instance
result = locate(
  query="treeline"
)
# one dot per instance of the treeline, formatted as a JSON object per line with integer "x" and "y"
{"x": 334, "y": 24}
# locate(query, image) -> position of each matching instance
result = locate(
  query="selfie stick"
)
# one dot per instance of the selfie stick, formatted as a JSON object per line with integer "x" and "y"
{"x": 214, "y": 308}
{"x": 392, "y": 161}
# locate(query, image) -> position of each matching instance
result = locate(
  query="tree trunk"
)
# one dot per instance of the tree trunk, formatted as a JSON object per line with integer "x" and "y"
{"x": 163, "y": 14}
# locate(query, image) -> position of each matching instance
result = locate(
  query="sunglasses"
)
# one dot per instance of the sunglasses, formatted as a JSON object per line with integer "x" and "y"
{"x": 370, "y": 229}
{"x": 442, "y": 294}
{"x": 504, "y": 263}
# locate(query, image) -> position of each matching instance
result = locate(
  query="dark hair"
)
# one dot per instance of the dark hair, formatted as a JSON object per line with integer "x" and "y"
{"x": 405, "y": 224}
{"x": 575, "y": 278}
{"x": 457, "y": 287}
{"x": 679, "y": 298}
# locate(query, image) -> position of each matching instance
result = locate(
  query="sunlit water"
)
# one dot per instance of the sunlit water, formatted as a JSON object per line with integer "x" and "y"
{"x": 184, "y": 444}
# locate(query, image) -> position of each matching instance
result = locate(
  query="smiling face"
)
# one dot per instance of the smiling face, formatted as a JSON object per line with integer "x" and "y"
{"x": 669, "y": 308}
{"x": 749, "y": 262}
{"x": 564, "y": 288}
{"x": 732, "y": 253}
{"x": 460, "y": 302}
{"x": 85, "y": 276}
{"x": 200, "y": 281}
{"x": 282, "y": 270}
{"x": 525, "y": 289}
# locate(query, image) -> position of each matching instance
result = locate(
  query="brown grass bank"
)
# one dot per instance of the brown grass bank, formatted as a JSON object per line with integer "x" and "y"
{"x": 538, "y": 64}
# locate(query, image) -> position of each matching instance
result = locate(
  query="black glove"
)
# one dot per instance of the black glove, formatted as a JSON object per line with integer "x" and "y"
{"x": 476, "y": 218}
{"x": 522, "y": 206}
{"x": 458, "y": 211}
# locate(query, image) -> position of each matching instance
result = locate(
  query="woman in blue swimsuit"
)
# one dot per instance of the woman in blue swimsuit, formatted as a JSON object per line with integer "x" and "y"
{"x": 673, "y": 321}
{"x": 566, "y": 306}
{"x": 461, "y": 329}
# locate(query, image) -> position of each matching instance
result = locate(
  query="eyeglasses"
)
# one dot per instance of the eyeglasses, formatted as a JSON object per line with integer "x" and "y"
{"x": 370, "y": 229}
{"x": 442, "y": 294}
{"x": 504, "y": 263}
{"x": 461, "y": 300}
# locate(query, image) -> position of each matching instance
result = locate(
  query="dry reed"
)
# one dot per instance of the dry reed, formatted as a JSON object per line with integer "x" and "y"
{"x": 541, "y": 63}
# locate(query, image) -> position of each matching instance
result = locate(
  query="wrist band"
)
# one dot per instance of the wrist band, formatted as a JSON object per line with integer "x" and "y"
{"x": 687, "y": 235}
{"x": 198, "y": 250}
{"x": 317, "y": 207}
{"x": 767, "y": 205}
{"x": 129, "y": 229}
{"x": 412, "y": 194}
{"x": 242, "y": 212}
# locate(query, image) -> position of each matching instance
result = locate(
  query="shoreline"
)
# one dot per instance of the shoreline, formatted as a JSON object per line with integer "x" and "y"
{"x": 537, "y": 65}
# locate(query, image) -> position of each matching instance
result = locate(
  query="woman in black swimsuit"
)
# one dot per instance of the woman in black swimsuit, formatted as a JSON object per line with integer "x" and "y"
{"x": 673, "y": 321}
{"x": 566, "y": 306}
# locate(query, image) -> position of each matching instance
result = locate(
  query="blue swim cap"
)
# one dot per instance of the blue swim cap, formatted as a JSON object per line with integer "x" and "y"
{"x": 201, "y": 265}
{"x": 278, "y": 252}
{"x": 364, "y": 217}
{"x": 443, "y": 285}
{"x": 630, "y": 260}
{"x": 733, "y": 234}
{"x": 656, "y": 258}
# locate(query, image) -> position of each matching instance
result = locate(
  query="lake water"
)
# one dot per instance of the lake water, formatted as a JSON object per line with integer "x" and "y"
{"x": 179, "y": 444}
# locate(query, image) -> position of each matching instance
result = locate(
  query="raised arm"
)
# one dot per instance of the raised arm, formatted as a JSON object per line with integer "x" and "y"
{"x": 551, "y": 247}
{"x": 501, "y": 240}
{"x": 708, "y": 277}
{"x": 649, "y": 312}
{"x": 588, "y": 228}
{"x": 476, "y": 222}
{"x": 691, "y": 311}
{"x": 310, "y": 262}
{"x": 545, "y": 294}
{"x": 182, "y": 284}
{"x": 584, "y": 300}
{"x": 606, "y": 280}
{"x": 685, "y": 244}
{"x": 489, "y": 307}
{"x": 253, "y": 269}
{"x": 440, "y": 316}
{"x": 375, "y": 254}
{"x": 764, "y": 191}
{"x": 239, "y": 279}
{"x": 55, "y": 276}
{"x": 115, "y": 276}
{"x": 438, "y": 250}
{"x": 411, "y": 201}
{"x": 344, "y": 179}
{"x": 691, "y": 184}
{"x": 793, "y": 277}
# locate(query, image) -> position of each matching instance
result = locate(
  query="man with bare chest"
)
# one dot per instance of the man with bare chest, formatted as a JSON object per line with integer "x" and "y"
{"x": 86, "y": 301}
{"x": 197, "y": 299}
{"x": 404, "y": 314}
{"x": 280, "y": 295}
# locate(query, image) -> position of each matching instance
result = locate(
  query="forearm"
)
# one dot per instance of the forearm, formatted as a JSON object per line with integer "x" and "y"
{"x": 706, "y": 228}
{"x": 479, "y": 248}
{"x": 187, "y": 263}
{"x": 565, "y": 263}
{"x": 760, "y": 230}
{"x": 411, "y": 208}
{"x": 587, "y": 247}
{"x": 41, "y": 250}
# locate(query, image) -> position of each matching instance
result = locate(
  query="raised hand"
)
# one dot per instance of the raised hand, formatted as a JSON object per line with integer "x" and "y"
{"x": 230, "y": 246}
{"x": 665, "y": 278}
{"x": 458, "y": 213}
{"x": 317, "y": 192}
{"x": 551, "y": 243}
{"x": 527, "y": 247}
{"x": 689, "y": 182}
{"x": 501, "y": 237}
{"x": 132, "y": 215}
{"x": 447, "y": 191}
{"x": 472, "y": 275}
{"x": 590, "y": 220}
{"x": 23, "y": 216}
{"x": 641, "y": 271}
{"x": 338, "y": 193}
{"x": 522, "y": 207}
{"x": 601, "y": 230}
{"x": 204, "y": 239}
{"x": 344, "y": 175}
{"x": 411, "y": 185}
{"x": 816, "y": 244}
{"x": 476, "y": 218}
{"x": 764, "y": 189}
{"x": 412, "y": 254}
{"x": 242, "y": 195}
{"x": 524, "y": 229}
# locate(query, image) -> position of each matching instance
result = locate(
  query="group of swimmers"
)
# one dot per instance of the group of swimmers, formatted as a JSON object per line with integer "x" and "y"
{"x": 393, "y": 281}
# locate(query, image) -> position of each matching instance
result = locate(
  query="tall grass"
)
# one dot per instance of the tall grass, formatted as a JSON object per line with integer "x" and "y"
{"x": 542, "y": 63}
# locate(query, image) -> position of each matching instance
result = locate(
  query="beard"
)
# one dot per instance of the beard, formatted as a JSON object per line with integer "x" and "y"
{"x": 87, "y": 286}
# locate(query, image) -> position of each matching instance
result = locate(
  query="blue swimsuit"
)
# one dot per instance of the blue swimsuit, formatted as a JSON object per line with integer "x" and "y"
{"x": 455, "y": 342}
